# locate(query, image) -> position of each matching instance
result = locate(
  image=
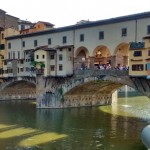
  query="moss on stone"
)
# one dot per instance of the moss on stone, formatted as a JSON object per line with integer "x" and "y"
{"x": 94, "y": 87}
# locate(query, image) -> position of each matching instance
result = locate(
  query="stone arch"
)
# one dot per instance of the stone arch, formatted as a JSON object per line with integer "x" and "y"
{"x": 101, "y": 55}
{"x": 81, "y": 58}
{"x": 121, "y": 55}
{"x": 13, "y": 83}
{"x": 18, "y": 90}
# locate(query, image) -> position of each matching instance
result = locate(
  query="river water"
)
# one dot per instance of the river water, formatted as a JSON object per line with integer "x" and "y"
{"x": 115, "y": 127}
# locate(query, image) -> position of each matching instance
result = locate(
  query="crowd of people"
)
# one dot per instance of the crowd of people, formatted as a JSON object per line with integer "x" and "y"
{"x": 107, "y": 67}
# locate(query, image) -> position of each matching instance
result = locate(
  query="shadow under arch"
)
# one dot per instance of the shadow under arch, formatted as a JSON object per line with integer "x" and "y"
{"x": 18, "y": 90}
{"x": 81, "y": 58}
{"x": 101, "y": 55}
{"x": 121, "y": 55}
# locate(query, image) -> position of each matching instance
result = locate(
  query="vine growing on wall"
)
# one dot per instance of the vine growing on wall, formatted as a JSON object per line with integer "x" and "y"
{"x": 35, "y": 64}
{"x": 61, "y": 92}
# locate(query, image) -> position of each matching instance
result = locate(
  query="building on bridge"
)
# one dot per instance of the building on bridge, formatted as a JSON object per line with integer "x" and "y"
{"x": 54, "y": 62}
{"x": 95, "y": 42}
{"x": 10, "y": 67}
{"x": 140, "y": 58}
{"x": 4, "y": 32}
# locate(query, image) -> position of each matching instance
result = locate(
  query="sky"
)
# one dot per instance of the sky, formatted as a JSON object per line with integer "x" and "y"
{"x": 69, "y": 12}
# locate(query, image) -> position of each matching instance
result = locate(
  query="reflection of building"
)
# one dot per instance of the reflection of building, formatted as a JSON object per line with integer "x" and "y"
{"x": 140, "y": 58}
{"x": 98, "y": 42}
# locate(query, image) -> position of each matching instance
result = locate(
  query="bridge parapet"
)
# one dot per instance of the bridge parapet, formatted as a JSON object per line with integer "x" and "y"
{"x": 98, "y": 72}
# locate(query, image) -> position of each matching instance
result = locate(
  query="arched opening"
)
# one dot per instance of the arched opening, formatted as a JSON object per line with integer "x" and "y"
{"x": 121, "y": 55}
{"x": 102, "y": 56}
{"x": 81, "y": 58}
{"x": 19, "y": 90}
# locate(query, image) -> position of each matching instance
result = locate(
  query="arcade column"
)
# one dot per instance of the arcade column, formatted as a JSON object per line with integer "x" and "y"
{"x": 125, "y": 59}
{"x": 91, "y": 62}
{"x": 113, "y": 61}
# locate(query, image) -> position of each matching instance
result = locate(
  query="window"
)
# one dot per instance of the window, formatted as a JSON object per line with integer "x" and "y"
{"x": 49, "y": 41}
{"x": 137, "y": 53}
{"x": 35, "y": 43}
{"x": 52, "y": 68}
{"x": 21, "y": 61}
{"x": 81, "y": 37}
{"x": 43, "y": 56}
{"x": 52, "y": 57}
{"x": 18, "y": 55}
{"x": 138, "y": 67}
{"x": 69, "y": 49}
{"x": 2, "y": 35}
{"x": 101, "y": 35}
{"x": 10, "y": 70}
{"x": 60, "y": 67}
{"x": 22, "y": 27}
{"x": 148, "y": 29}
{"x": 145, "y": 66}
{"x": 23, "y": 43}
{"x": 9, "y": 55}
{"x": 37, "y": 56}
{"x": 2, "y": 46}
{"x": 21, "y": 69}
{"x": 148, "y": 52}
{"x": 5, "y": 62}
{"x": 9, "y": 45}
{"x": 5, "y": 71}
{"x": 26, "y": 53}
{"x": 13, "y": 55}
{"x": 60, "y": 57}
{"x": 124, "y": 32}
{"x": 64, "y": 39}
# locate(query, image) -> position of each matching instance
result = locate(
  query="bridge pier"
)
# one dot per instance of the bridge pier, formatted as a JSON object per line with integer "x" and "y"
{"x": 51, "y": 93}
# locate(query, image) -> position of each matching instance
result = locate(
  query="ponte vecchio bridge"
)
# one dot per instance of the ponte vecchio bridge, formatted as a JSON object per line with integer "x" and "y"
{"x": 49, "y": 91}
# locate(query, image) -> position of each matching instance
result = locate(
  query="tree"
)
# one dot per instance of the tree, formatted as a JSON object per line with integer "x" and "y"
{"x": 41, "y": 64}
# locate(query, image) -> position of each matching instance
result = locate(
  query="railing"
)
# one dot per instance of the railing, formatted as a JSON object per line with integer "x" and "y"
{"x": 98, "y": 72}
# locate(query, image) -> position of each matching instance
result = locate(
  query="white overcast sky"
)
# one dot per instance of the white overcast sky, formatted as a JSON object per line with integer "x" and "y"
{"x": 68, "y": 12}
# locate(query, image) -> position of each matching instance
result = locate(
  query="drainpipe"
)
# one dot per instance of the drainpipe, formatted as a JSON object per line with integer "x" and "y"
{"x": 136, "y": 30}
{"x": 55, "y": 56}
{"x": 73, "y": 48}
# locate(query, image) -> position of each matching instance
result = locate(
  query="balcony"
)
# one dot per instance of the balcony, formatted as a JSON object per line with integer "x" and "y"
{"x": 137, "y": 45}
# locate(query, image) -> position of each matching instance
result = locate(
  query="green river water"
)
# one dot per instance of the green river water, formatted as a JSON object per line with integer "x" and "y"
{"x": 115, "y": 127}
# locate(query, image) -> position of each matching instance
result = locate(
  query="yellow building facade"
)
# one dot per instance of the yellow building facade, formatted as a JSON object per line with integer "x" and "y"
{"x": 139, "y": 58}
{"x": 3, "y": 44}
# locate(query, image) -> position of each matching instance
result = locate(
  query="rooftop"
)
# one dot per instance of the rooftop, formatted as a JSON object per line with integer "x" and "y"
{"x": 86, "y": 25}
